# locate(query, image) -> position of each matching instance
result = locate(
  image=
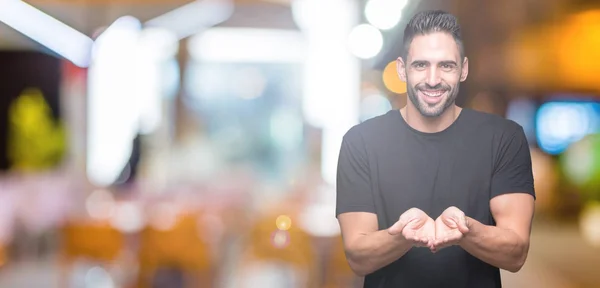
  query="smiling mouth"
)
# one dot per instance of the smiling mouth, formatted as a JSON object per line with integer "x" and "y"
{"x": 432, "y": 97}
{"x": 433, "y": 93}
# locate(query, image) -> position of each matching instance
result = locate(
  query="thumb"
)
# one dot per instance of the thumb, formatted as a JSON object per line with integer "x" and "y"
{"x": 397, "y": 227}
{"x": 463, "y": 225}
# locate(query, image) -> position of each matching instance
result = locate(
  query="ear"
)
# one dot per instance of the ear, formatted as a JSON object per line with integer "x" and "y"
{"x": 465, "y": 70}
{"x": 401, "y": 69}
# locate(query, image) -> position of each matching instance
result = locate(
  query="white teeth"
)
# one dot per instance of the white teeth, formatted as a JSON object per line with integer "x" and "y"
{"x": 433, "y": 93}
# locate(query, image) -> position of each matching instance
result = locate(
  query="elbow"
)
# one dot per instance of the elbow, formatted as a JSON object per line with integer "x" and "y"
{"x": 516, "y": 265}
{"x": 359, "y": 268}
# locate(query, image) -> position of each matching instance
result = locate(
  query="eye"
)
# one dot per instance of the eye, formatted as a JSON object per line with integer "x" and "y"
{"x": 420, "y": 65}
{"x": 447, "y": 67}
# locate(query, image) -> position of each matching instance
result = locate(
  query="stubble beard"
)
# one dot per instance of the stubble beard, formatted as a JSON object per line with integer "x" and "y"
{"x": 435, "y": 110}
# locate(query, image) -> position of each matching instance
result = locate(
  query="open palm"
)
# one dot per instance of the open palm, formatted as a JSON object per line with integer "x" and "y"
{"x": 418, "y": 228}
{"x": 421, "y": 231}
{"x": 449, "y": 228}
{"x": 415, "y": 226}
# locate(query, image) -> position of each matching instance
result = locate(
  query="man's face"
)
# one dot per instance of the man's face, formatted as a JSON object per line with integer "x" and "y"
{"x": 433, "y": 70}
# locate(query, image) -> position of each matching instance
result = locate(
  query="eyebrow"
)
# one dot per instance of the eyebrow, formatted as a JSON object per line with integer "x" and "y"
{"x": 415, "y": 62}
{"x": 447, "y": 62}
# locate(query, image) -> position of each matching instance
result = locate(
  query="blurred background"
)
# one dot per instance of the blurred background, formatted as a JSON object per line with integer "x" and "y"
{"x": 155, "y": 143}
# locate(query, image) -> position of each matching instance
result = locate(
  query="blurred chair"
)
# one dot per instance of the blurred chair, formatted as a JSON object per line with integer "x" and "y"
{"x": 178, "y": 247}
{"x": 89, "y": 240}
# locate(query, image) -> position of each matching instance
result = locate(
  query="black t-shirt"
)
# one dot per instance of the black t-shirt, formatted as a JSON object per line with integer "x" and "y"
{"x": 386, "y": 167}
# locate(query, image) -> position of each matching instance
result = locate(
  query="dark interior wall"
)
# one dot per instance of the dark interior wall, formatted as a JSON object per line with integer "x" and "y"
{"x": 20, "y": 70}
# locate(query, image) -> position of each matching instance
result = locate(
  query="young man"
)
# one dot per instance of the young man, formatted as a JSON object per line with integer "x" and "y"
{"x": 434, "y": 195}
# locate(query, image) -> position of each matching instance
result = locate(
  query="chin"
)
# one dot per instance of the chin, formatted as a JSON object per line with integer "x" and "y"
{"x": 431, "y": 114}
{"x": 429, "y": 110}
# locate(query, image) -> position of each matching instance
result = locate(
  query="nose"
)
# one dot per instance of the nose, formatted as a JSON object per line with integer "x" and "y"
{"x": 433, "y": 76}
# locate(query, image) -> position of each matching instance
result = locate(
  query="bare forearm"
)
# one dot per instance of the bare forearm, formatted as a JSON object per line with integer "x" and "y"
{"x": 373, "y": 251}
{"x": 499, "y": 247}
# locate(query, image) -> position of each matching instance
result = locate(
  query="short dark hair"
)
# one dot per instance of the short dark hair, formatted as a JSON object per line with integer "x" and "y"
{"x": 431, "y": 21}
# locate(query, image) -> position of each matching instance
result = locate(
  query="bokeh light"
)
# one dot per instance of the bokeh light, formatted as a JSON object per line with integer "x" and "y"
{"x": 318, "y": 220}
{"x": 283, "y": 222}
{"x": 589, "y": 223}
{"x": 559, "y": 124}
{"x": 127, "y": 217}
{"x": 577, "y": 47}
{"x": 280, "y": 239}
{"x": 97, "y": 277}
{"x": 100, "y": 204}
{"x": 581, "y": 165}
{"x": 391, "y": 80}
{"x": 163, "y": 216}
{"x": 365, "y": 41}
{"x": 384, "y": 14}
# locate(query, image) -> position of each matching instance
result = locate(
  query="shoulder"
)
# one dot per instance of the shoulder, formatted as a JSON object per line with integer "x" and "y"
{"x": 371, "y": 129}
{"x": 498, "y": 126}
{"x": 507, "y": 138}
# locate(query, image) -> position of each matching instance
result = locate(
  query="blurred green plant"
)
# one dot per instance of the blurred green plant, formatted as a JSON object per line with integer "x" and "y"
{"x": 35, "y": 140}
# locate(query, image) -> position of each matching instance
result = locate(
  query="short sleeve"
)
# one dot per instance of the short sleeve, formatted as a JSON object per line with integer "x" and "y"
{"x": 353, "y": 185}
{"x": 513, "y": 172}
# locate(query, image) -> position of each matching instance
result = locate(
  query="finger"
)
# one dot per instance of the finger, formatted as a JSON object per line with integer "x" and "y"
{"x": 433, "y": 248}
{"x": 413, "y": 240}
{"x": 450, "y": 221}
{"x": 397, "y": 228}
{"x": 424, "y": 241}
{"x": 447, "y": 240}
{"x": 463, "y": 226}
{"x": 419, "y": 241}
{"x": 438, "y": 242}
{"x": 419, "y": 244}
{"x": 444, "y": 242}
{"x": 450, "y": 240}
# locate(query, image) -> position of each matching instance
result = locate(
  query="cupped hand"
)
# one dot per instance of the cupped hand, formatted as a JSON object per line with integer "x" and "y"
{"x": 415, "y": 226}
{"x": 450, "y": 228}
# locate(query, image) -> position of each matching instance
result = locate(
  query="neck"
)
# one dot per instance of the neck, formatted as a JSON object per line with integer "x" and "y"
{"x": 414, "y": 119}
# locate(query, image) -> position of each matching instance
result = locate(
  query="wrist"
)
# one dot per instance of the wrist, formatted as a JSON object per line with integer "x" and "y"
{"x": 473, "y": 226}
{"x": 402, "y": 242}
{"x": 399, "y": 239}
{"x": 473, "y": 232}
